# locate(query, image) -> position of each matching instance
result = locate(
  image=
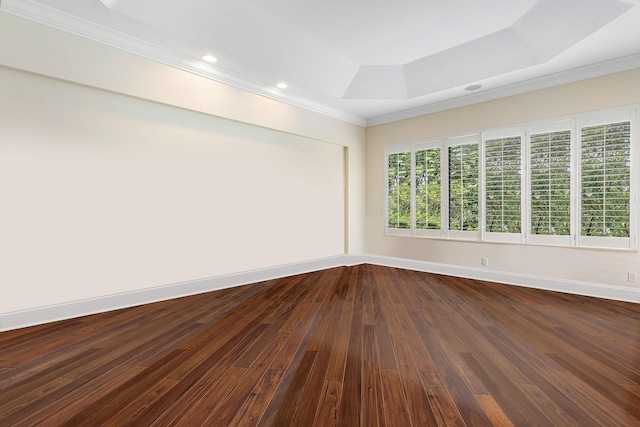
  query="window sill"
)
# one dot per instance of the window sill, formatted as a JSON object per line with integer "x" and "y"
{"x": 496, "y": 242}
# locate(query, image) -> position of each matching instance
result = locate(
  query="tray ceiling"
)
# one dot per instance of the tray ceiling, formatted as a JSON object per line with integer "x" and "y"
{"x": 366, "y": 61}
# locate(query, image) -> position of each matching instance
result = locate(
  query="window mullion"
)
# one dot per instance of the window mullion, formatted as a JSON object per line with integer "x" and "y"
{"x": 481, "y": 189}
{"x": 575, "y": 182}
{"x": 444, "y": 189}
{"x": 413, "y": 190}
{"x": 526, "y": 187}
{"x": 576, "y": 167}
{"x": 634, "y": 188}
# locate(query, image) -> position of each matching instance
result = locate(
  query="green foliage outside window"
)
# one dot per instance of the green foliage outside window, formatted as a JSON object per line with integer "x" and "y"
{"x": 551, "y": 183}
{"x": 463, "y": 187}
{"x": 603, "y": 194}
{"x": 503, "y": 185}
{"x": 399, "y": 190}
{"x": 428, "y": 209}
{"x": 606, "y": 178}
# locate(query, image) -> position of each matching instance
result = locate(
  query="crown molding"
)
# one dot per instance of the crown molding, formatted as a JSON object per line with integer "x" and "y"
{"x": 556, "y": 79}
{"x": 36, "y": 12}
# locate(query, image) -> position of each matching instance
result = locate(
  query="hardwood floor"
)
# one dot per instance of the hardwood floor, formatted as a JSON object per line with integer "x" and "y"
{"x": 351, "y": 346}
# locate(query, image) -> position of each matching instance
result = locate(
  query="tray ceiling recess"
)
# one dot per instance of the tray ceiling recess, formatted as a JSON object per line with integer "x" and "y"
{"x": 364, "y": 61}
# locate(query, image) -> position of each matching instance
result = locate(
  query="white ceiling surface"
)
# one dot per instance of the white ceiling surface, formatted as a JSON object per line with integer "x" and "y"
{"x": 366, "y": 61}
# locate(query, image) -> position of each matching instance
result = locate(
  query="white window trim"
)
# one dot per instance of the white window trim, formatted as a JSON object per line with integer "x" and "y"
{"x": 548, "y": 127}
{"x": 602, "y": 118}
{"x": 573, "y": 123}
{"x": 496, "y": 236}
{"x": 396, "y": 149}
{"x": 474, "y": 138}
{"x": 427, "y": 145}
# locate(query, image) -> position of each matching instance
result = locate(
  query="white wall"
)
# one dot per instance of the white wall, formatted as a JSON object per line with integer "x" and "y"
{"x": 119, "y": 174}
{"x": 604, "y": 267}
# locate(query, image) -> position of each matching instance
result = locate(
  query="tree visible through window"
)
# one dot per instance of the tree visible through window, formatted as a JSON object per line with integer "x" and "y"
{"x": 428, "y": 209}
{"x": 463, "y": 187}
{"x": 503, "y": 185}
{"x": 606, "y": 179}
{"x": 551, "y": 183}
{"x": 399, "y": 190}
{"x": 570, "y": 182}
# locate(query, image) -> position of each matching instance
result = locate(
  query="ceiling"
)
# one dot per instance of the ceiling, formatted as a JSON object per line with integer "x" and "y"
{"x": 365, "y": 61}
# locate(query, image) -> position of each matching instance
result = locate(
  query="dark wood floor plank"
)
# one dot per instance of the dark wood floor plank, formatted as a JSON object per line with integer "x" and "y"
{"x": 351, "y": 403}
{"x": 559, "y": 347}
{"x": 182, "y": 409}
{"x": 372, "y": 401}
{"x": 418, "y": 405}
{"x": 337, "y": 363}
{"x": 552, "y": 412}
{"x": 223, "y": 411}
{"x": 350, "y": 346}
{"x": 18, "y": 410}
{"x": 507, "y": 393}
{"x": 627, "y": 368}
{"x": 207, "y": 375}
{"x": 296, "y": 360}
{"x": 328, "y": 409}
{"x": 452, "y": 378}
{"x": 323, "y": 343}
{"x": 541, "y": 369}
{"x": 20, "y": 391}
{"x": 494, "y": 411}
{"x": 140, "y": 403}
{"x": 253, "y": 408}
{"x": 396, "y": 412}
{"x": 290, "y": 404}
{"x": 444, "y": 407}
{"x": 65, "y": 402}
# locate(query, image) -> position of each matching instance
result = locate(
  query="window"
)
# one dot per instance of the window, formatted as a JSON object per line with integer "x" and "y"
{"x": 399, "y": 190}
{"x": 606, "y": 180}
{"x": 428, "y": 189}
{"x": 550, "y": 185}
{"x": 503, "y": 186}
{"x": 605, "y": 183}
{"x": 463, "y": 184}
{"x": 570, "y": 182}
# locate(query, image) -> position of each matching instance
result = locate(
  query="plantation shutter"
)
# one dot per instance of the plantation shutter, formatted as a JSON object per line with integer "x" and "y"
{"x": 606, "y": 193}
{"x": 606, "y": 175}
{"x": 550, "y": 183}
{"x": 399, "y": 190}
{"x": 463, "y": 184}
{"x": 503, "y": 184}
{"x": 428, "y": 189}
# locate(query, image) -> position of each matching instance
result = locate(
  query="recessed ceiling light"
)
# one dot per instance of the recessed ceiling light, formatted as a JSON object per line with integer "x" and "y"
{"x": 209, "y": 58}
{"x": 473, "y": 87}
{"x": 282, "y": 85}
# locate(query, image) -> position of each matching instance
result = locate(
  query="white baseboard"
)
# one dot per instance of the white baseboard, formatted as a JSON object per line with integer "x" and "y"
{"x": 53, "y": 313}
{"x": 590, "y": 289}
{"x": 68, "y": 310}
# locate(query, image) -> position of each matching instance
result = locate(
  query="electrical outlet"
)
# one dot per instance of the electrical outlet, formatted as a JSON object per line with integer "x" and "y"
{"x": 633, "y": 276}
{"x": 485, "y": 261}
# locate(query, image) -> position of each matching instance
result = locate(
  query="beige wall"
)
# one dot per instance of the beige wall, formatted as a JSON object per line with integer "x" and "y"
{"x": 119, "y": 174}
{"x": 604, "y": 267}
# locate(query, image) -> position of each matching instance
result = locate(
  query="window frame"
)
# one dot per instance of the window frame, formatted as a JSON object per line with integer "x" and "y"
{"x": 574, "y": 124}
{"x": 474, "y": 138}
{"x": 444, "y": 204}
{"x": 397, "y": 149}
{"x": 603, "y": 118}
{"x": 544, "y": 239}
{"x": 509, "y": 132}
